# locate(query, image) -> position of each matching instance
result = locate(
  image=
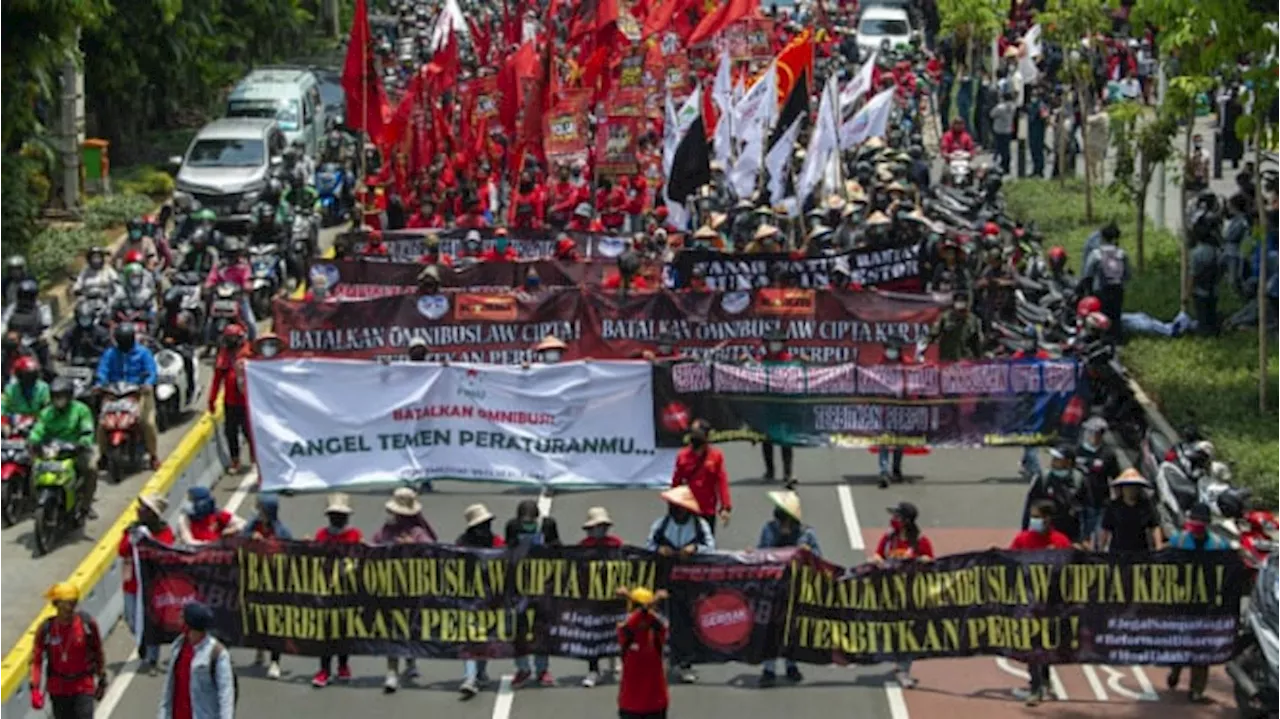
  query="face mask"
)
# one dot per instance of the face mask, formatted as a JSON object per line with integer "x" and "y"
{"x": 665, "y": 349}
{"x": 891, "y": 355}
{"x": 679, "y": 514}
{"x": 1038, "y": 524}
{"x": 697, "y": 442}
{"x": 529, "y": 527}
{"x": 319, "y": 292}
{"x": 125, "y": 345}
{"x": 338, "y": 520}
{"x": 532, "y": 283}
{"x": 95, "y": 263}
{"x": 961, "y": 309}
{"x": 895, "y": 523}
{"x": 599, "y": 531}
{"x": 550, "y": 356}
{"x": 60, "y": 403}
{"x": 776, "y": 347}
{"x": 1192, "y": 526}
{"x": 270, "y": 350}
{"x": 500, "y": 245}
{"x": 135, "y": 235}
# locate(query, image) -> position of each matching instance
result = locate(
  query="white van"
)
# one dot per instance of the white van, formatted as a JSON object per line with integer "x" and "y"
{"x": 880, "y": 23}
{"x": 290, "y": 96}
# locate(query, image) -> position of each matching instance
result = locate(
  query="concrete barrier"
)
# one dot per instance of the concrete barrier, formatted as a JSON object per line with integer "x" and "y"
{"x": 199, "y": 460}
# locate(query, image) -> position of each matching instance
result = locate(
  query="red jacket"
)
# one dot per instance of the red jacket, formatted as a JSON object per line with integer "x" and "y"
{"x": 952, "y": 142}
{"x": 610, "y": 540}
{"x": 349, "y": 535}
{"x": 1029, "y": 540}
{"x": 704, "y": 472}
{"x": 74, "y": 651}
{"x": 642, "y": 688}
{"x": 508, "y": 255}
{"x": 226, "y": 380}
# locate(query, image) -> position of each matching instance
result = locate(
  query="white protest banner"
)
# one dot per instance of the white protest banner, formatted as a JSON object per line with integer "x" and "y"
{"x": 320, "y": 424}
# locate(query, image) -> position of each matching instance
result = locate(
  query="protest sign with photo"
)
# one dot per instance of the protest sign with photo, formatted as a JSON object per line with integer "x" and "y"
{"x": 439, "y": 601}
{"x": 581, "y": 423}
{"x": 829, "y": 327}
{"x": 955, "y": 404}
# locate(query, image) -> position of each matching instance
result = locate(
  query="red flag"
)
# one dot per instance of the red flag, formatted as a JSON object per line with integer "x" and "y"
{"x": 366, "y": 98}
{"x": 723, "y": 17}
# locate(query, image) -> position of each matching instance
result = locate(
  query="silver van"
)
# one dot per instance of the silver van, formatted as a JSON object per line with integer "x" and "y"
{"x": 290, "y": 95}
{"x": 228, "y": 163}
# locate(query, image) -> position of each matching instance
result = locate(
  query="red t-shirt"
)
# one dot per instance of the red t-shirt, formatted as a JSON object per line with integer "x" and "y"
{"x": 643, "y": 686}
{"x": 181, "y": 699}
{"x": 608, "y": 540}
{"x": 65, "y": 645}
{"x": 349, "y": 535}
{"x": 706, "y": 477}
{"x": 209, "y": 529}
{"x": 614, "y": 281}
{"x": 125, "y": 552}
{"x": 1053, "y": 539}
{"x": 892, "y": 546}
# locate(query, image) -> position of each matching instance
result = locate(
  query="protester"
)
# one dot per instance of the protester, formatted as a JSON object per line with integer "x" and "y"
{"x": 203, "y": 523}
{"x": 1099, "y": 466}
{"x": 681, "y": 531}
{"x": 1039, "y": 534}
{"x": 1196, "y": 537}
{"x": 68, "y": 648}
{"x": 1063, "y": 488}
{"x": 700, "y": 466}
{"x": 266, "y": 525}
{"x": 228, "y": 383}
{"x": 337, "y": 530}
{"x": 478, "y": 534}
{"x": 599, "y": 534}
{"x": 150, "y": 524}
{"x": 200, "y": 682}
{"x": 642, "y": 689}
{"x": 904, "y": 542}
{"x": 776, "y": 352}
{"x": 1130, "y": 522}
{"x": 785, "y": 529}
{"x": 405, "y": 524}
{"x": 524, "y": 531}
{"x": 1106, "y": 273}
{"x": 128, "y": 361}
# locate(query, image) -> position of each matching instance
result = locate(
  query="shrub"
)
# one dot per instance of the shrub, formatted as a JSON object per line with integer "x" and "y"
{"x": 115, "y": 210}
{"x": 148, "y": 181}
{"x": 1212, "y": 381}
{"x": 54, "y": 249}
{"x": 19, "y": 201}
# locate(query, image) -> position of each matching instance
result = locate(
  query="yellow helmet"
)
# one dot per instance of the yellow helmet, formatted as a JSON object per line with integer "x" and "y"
{"x": 642, "y": 596}
{"x": 63, "y": 592}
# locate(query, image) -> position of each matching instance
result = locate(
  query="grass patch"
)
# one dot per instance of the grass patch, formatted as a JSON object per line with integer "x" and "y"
{"x": 110, "y": 211}
{"x": 1212, "y": 381}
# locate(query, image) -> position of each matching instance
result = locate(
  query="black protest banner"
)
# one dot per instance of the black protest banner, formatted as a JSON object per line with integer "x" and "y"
{"x": 892, "y": 267}
{"x": 365, "y": 277}
{"x": 410, "y": 245}
{"x": 1017, "y": 402}
{"x": 429, "y": 600}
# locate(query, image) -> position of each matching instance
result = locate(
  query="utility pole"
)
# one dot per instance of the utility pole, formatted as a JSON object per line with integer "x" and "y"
{"x": 332, "y": 18}
{"x": 1162, "y": 86}
{"x": 71, "y": 125}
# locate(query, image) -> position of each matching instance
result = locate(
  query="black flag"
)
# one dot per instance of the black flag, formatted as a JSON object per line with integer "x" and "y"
{"x": 796, "y": 105}
{"x": 691, "y": 166}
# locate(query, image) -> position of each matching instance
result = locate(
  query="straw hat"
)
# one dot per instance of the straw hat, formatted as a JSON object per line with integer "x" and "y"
{"x": 1130, "y": 477}
{"x": 597, "y": 516}
{"x": 476, "y": 514}
{"x": 339, "y": 503}
{"x": 765, "y": 232}
{"x": 716, "y": 166}
{"x": 819, "y": 231}
{"x": 404, "y": 502}
{"x": 896, "y": 186}
{"x": 682, "y": 496}
{"x": 878, "y": 218}
{"x": 874, "y": 143}
{"x": 718, "y": 218}
{"x": 157, "y": 504}
{"x": 835, "y": 202}
{"x": 551, "y": 342}
{"x": 788, "y": 502}
{"x": 705, "y": 233}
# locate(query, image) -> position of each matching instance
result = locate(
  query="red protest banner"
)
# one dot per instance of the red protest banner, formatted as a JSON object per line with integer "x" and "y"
{"x": 566, "y": 123}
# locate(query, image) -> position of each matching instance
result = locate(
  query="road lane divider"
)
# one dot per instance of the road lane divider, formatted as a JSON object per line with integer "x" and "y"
{"x": 198, "y": 459}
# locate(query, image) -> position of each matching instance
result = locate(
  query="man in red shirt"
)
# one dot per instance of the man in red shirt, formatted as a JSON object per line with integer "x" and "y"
{"x": 642, "y": 690}
{"x": 151, "y": 510}
{"x": 71, "y": 644}
{"x": 187, "y": 694}
{"x": 226, "y": 374}
{"x": 956, "y": 139}
{"x": 502, "y": 251}
{"x": 1039, "y": 535}
{"x": 701, "y": 466}
{"x": 336, "y": 531}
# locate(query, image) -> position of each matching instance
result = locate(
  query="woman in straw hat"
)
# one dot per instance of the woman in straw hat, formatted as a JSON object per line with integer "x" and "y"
{"x": 599, "y": 534}
{"x": 785, "y": 529}
{"x": 642, "y": 690}
{"x": 680, "y": 531}
{"x": 1129, "y": 522}
{"x": 479, "y": 535}
{"x": 336, "y": 531}
{"x": 404, "y": 525}
{"x": 150, "y": 524}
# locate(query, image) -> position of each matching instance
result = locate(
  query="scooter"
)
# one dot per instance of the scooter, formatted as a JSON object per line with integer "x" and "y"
{"x": 59, "y": 507}
{"x": 224, "y": 309}
{"x": 1253, "y": 670}
{"x": 268, "y": 274}
{"x": 182, "y": 303}
{"x": 173, "y": 396}
{"x": 331, "y": 177}
{"x": 15, "y": 469}
{"x": 959, "y": 169}
{"x": 81, "y": 376}
{"x": 120, "y": 417}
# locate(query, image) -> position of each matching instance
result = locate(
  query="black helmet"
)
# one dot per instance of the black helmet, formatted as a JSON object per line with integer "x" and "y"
{"x": 61, "y": 385}
{"x": 200, "y": 237}
{"x": 137, "y": 227}
{"x": 28, "y": 290}
{"x": 232, "y": 246}
{"x": 124, "y": 333}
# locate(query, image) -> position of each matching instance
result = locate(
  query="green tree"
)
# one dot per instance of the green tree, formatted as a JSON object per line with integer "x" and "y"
{"x": 972, "y": 23}
{"x": 1142, "y": 144}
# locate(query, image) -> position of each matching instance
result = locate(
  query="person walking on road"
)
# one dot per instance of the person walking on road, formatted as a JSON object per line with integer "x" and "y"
{"x": 642, "y": 690}
{"x": 266, "y": 525}
{"x": 203, "y": 523}
{"x": 336, "y": 531}
{"x": 904, "y": 542}
{"x": 1196, "y": 537}
{"x": 1003, "y": 117}
{"x": 700, "y": 466}
{"x": 523, "y": 532}
{"x": 1039, "y": 534}
{"x": 1130, "y": 523}
{"x": 200, "y": 683}
{"x": 785, "y": 529}
{"x": 599, "y": 529}
{"x": 150, "y": 524}
{"x": 68, "y": 650}
{"x": 1105, "y": 274}
{"x": 228, "y": 382}
{"x": 405, "y": 524}
{"x": 681, "y": 531}
{"x": 478, "y": 534}
{"x": 776, "y": 352}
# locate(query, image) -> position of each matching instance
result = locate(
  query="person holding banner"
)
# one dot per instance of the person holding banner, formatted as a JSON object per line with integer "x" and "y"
{"x": 785, "y": 529}
{"x": 700, "y": 467}
{"x": 478, "y": 534}
{"x": 203, "y": 523}
{"x": 1196, "y": 537}
{"x": 336, "y": 531}
{"x": 526, "y": 530}
{"x": 150, "y": 524}
{"x": 1039, "y": 534}
{"x": 680, "y": 531}
{"x": 904, "y": 543}
{"x": 642, "y": 691}
{"x": 599, "y": 528}
{"x": 405, "y": 524}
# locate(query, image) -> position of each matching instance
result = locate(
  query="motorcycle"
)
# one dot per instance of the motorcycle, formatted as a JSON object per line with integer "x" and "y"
{"x": 304, "y": 243}
{"x": 1253, "y": 669}
{"x": 15, "y": 469}
{"x": 59, "y": 508}
{"x": 172, "y": 395}
{"x": 224, "y": 309}
{"x": 331, "y": 178}
{"x": 120, "y": 419}
{"x": 959, "y": 169}
{"x": 268, "y": 274}
{"x": 81, "y": 376}
{"x": 183, "y": 307}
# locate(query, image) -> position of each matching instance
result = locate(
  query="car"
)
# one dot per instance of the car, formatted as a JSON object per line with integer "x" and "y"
{"x": 878, "y": 24}
{"x": 287, "y": 93}
{"x": 227, "y": 165}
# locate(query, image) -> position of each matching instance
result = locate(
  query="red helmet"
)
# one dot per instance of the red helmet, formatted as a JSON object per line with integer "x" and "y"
{"x": 26, "y": 364}
{"x": 132, "y": 256}
{"x": 990, "y": 228}
{"x": 1057, "y": 255}
{"x": 1261, "y": 521}
{"x": 1087, "y": 306}
{"x": 1097, "y": 322}
{"x": 233, "y": 330}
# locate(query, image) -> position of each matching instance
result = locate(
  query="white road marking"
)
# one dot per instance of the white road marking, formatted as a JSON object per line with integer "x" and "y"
{"x": 897, "y": 702}
{"x": 1095, "y": 684}
{"x": 506, "y": 697}
{"x": 120, "y": 683}
{"x": 1149, "y": 693}
{"x": 851, "y": 524}
{"x": 1055, "y": 681}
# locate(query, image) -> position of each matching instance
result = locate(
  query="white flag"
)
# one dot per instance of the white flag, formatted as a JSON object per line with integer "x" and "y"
{"x": 677, "y": 124}
{"x": 777, "y": 162}
{"x": 722, "y": 95}
{"x": 449, "y": 21}
{"x": 822, "y": 142}
{"x": 859, "y": 85}
{"x": 871, "y": 121}
{"x": 1030, "y": 51}
{"x": 752, "y": 117}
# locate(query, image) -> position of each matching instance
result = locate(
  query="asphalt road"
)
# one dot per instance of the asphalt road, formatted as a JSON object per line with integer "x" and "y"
{"x": 969, "y": 499}
{"x": 26, "y": 578}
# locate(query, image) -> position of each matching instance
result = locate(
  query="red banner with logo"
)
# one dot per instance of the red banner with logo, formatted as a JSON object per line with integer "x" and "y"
{"x": 567, "y": 133}
{"x": 617, "y": 140}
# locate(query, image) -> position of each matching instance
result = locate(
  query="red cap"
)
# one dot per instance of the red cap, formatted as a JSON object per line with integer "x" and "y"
{"x": 991, "y": 228}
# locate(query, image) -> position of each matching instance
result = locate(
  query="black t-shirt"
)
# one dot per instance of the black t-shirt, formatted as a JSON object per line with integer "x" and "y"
{"x": 1129, "y": 525}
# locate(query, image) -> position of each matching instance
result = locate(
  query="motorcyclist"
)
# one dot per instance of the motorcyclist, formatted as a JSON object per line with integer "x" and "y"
{"x": 26, "y": 394}
{"x": 29, "y": 317}
{"x": 306, "y": 166}
{"x": 96, "y": 275}
{"x": 300, "y": 197}
{"x": 153, "y": 227}
{"x": 956, "y": 139}
{"x": 335, "y": 148}
{"x": 264, "y": 225}
{"x": 86, "y": 338}
{"x": 200, "y": 257}
{"x": 234, "y": 269}
{"x": 71, "y": 421}
{"x": 184, "y": 220}
{"x": 15, "y": 271}
{"x": 129, "y": 361}
{"x": 137, "y": 239}
{"x": 137, "y": 293}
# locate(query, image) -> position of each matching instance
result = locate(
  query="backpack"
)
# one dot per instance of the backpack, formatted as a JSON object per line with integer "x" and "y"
{"x": 217, "y": 651}
{"x": 1111, "y": 263}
